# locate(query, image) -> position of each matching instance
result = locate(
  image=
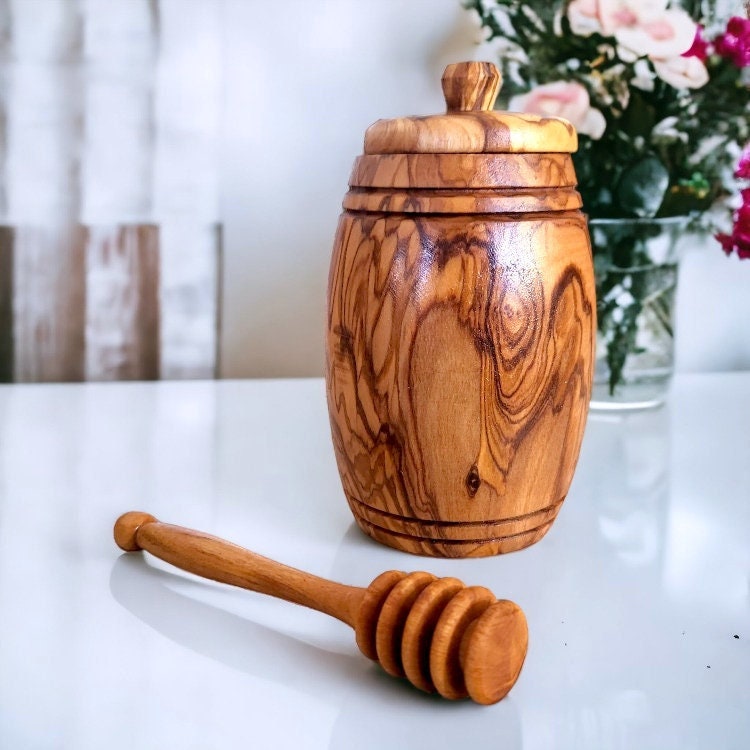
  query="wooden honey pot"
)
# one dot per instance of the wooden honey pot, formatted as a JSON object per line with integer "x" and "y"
{"x": 461, "y": 326}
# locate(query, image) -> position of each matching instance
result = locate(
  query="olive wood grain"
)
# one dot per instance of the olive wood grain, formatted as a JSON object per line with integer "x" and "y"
{"x": 443, "y": 637}
{"x": 469, "y": 86}
{"x": 461, "y": 323}
{"x": 455, "y": 202}
{"x": 470, "y": 125}
{"x": 459, "y": 365}
{"x": 471, "y": 133}
{"x": 464, "y": 171}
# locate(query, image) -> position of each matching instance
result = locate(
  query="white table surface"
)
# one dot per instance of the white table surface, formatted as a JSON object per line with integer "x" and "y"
{"x": 634, "y": 599}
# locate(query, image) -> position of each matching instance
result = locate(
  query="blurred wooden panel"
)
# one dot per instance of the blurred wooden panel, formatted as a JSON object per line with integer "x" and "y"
{"x": 121, "y": 302}
{"x": 189, "y": 288}
{"x": 41, "y": 69}
{"x": 108, "y": 126}
{"x": 6, "y": 305}
{"x": 122, "y": 315}
{"x": 120, "y": 47}
{"x": 187, "y": 98}
{"x": 49, "y": 303}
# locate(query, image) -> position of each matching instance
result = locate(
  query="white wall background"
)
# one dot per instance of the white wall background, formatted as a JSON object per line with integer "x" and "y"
{"x": 303, "y": 80}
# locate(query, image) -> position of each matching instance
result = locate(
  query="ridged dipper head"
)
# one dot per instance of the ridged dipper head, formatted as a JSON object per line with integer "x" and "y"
{"x": 442, "y": 636}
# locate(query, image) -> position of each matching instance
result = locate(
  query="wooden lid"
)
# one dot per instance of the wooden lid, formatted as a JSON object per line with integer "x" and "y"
{"x": 470, "y": 125}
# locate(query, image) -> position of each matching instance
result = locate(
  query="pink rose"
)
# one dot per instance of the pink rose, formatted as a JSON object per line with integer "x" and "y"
{"x": 734, "y": 44}
{"x": 566, "y": 99}
{"x": 614, "y": 14}
{"x": 642, "y": 27}
{"x": 658, "y": 35}
{"x": 583, "y": 16}
{"x": 682, "y": 72}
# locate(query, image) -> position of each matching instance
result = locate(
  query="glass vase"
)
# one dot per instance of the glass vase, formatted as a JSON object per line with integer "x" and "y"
{"x": 636, "y": 279}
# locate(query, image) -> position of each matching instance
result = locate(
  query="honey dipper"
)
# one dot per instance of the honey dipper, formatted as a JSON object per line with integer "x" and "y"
{"x": 442, "y": 636}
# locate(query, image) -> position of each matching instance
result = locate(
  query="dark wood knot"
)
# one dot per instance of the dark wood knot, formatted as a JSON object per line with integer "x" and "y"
{"x": 473, "y": 480}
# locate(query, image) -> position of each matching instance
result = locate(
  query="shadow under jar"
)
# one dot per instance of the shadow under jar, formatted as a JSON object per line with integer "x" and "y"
{"x": 461, "y": 326}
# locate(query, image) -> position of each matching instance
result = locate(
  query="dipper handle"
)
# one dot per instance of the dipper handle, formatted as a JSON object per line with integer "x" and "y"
{"x": 219, "y": 560}
{"x": 442, "y": 636}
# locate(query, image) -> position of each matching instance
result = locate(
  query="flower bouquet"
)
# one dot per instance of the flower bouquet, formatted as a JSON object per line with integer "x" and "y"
{"x": 658, "y": 92}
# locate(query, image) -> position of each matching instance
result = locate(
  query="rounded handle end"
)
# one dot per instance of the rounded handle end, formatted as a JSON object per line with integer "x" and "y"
{"x": 493, "y": 651}
{"x": 471, "y": 86}
{"x": 126, "y": 529}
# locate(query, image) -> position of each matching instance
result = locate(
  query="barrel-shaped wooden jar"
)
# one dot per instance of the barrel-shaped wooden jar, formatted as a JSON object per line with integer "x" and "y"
{"x": 461, "y": 321}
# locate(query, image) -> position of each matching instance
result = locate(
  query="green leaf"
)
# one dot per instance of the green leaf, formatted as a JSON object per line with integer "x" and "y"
{"x": 621, "y": 345}
{"x": 641, "y": 188}
{"x": 640, "y": 116}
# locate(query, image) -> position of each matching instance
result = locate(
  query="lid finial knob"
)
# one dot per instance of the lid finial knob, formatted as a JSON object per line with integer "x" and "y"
{"x": 471, "y": 86}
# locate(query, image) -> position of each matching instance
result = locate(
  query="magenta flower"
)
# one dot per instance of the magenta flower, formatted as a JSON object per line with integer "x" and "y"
{"x": 743, "y": 166}
{"x": 699, "y": 47}
{"x": 734, "y": 43}
{"x": 739, "y": 240}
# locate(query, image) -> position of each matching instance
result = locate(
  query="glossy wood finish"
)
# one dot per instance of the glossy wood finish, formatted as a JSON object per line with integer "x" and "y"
{"x": 461, "y": 323}
{"x": 464, "y": 171}
{"x": 471, "y": 133}
{"x": 471, "y": 125}
{"x": 471, "y": 86}
{"x": 529, "y": 200}
{"x": 444, "y": 637}
{"x": 459, "y": 369}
